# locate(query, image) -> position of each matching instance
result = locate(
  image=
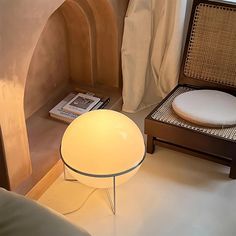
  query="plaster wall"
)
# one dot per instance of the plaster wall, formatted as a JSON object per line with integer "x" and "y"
{"x": 49, "y": 67}
{"x": 80, "y": 42}
{"x": 21, "y": 25}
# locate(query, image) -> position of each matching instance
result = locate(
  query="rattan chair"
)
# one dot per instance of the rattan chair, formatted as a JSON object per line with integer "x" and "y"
{"x": 209, "y": 61}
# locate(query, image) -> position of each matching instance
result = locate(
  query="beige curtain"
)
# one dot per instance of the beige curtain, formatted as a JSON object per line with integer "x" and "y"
{"x": 151, "y": 50}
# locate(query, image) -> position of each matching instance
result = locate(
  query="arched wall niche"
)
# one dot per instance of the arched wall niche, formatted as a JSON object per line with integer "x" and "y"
{"x": 79, "y": 47}
{"x": 21, "y": 24}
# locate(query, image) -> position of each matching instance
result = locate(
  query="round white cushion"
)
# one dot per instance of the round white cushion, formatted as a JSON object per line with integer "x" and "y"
{"x": 210, "y": 108}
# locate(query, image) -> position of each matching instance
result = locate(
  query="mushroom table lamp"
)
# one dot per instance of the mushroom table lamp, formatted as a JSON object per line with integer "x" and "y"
{"x": 102, "y": 148}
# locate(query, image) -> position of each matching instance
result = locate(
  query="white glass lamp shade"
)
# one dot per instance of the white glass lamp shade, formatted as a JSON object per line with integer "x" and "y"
{"x": 102, "y": 142}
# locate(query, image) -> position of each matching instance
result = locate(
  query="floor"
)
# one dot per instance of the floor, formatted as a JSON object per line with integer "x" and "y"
{"x": 172, "y": 194}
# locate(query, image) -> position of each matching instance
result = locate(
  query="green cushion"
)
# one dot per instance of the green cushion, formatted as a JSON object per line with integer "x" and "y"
{"x": 20, "y": 217}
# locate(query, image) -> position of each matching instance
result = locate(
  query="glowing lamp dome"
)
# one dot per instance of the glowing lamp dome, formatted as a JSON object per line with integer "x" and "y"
{"x": 101, "y": 144}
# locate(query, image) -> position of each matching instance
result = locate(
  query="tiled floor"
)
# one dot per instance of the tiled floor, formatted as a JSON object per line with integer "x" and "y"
{"x": 172, "y": 194}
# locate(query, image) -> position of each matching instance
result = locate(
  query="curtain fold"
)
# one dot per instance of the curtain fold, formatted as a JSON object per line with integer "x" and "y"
{"x": 151, "y": 50}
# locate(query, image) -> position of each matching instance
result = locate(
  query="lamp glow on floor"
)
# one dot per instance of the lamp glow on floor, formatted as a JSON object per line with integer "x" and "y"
{"x": 103, "y": 148}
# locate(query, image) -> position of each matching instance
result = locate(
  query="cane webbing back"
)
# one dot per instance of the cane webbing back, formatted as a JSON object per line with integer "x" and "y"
{"x": 211, "y": 53}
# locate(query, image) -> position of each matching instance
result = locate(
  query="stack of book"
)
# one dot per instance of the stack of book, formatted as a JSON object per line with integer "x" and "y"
{"x": 75, "y": 104}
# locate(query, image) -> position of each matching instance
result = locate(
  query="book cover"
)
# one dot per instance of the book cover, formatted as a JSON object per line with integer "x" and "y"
{"x": 81, "y": 103}
{"x": 104, "y": 99}
{"x": 58, "y": 112}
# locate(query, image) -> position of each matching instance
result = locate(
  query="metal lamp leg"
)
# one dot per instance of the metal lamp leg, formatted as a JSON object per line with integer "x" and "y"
{"x": 65, "y": 178}
{"x": 113, "y": 203}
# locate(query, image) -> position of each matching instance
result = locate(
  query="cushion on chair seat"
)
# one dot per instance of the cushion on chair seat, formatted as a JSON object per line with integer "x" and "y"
{"x": 210, "y": 108}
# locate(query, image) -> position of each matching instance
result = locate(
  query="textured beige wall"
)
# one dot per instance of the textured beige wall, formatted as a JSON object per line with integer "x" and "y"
{"x": 87, "y": 35}
{"x": 80, "y": 24}
{"x": 49, "y": 67}
{"x": 95, "y": 30}
{"x": 21, "y": 24}
{"x": 109, "y": 22}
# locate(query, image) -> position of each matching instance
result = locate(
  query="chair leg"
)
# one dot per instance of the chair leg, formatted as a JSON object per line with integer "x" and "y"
{"x": 150, "y": 144}
{"x": 232, "y": 174}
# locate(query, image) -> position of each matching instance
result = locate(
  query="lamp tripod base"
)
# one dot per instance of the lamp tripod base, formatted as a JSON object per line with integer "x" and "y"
{"x": 112, "y": 199}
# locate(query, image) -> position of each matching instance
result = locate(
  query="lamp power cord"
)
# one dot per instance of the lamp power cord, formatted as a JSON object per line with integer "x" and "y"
{"x": 83, "y": 203}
